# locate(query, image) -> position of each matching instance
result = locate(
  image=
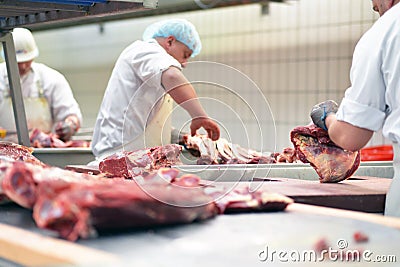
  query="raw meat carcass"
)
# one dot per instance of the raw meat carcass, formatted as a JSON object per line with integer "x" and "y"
{"x": 332, "y": 163}
{"x": 77, "y": 205}
{"x": 19, "y": 180}
{"x": 10, "y": 152}
{"x": 222, "y": 152}
{"x": 119, "y": 204}
{"x": 129, "y": 164}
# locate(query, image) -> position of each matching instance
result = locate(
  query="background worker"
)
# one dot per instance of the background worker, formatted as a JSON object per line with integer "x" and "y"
{"x": 373, "y": 100}
{"x": 48, "y": 98}
{"x": 136, "y": 109}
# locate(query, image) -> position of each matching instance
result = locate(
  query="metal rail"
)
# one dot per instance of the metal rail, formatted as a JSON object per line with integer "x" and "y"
{"x": 15, "y": 88}
{"x": 27, "y": 13}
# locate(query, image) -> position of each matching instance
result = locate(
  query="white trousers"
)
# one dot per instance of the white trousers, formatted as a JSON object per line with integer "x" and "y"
{"x": 392, "y": 206}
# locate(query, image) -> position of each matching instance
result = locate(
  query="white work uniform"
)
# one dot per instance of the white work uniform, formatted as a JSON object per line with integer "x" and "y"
{"x": 373, "y": 100}
{"x": 46, "y": 85}
{"x": 134, "y": 99}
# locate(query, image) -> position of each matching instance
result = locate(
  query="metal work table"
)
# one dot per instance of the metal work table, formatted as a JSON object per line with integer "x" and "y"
{"x": 234, "y": 240}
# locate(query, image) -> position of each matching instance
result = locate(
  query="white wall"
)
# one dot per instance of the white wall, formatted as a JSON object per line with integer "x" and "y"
{"x": 276, "y": 66}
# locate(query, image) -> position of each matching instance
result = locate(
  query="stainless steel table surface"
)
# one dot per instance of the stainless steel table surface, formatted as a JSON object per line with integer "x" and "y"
{"x": 238, "y": 240}
{"x": 60, "y": 157}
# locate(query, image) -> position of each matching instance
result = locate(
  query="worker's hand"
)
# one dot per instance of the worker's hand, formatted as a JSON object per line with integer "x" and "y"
{"x": 208, "y": 124}
{"x": 66, "y": 129}
{"x": 320, "y": 111}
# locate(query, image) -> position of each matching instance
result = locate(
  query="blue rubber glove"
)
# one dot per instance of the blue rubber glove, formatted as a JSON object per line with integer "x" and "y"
{"x": 320, "y": 111}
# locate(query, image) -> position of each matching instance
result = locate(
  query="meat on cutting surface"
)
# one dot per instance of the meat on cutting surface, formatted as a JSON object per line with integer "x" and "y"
{"x": 77, "y": 205}
{"x": 12, "y": 151}
{"x": 40, "y": 139}
{"x": 19, "y": 180}
{"x": 129, "y": 164}
{"x": 228, "y": 199}
{"x": 82, "y": 209}
{"x": 332, "y": 163}
{"x": 222, "y": 152}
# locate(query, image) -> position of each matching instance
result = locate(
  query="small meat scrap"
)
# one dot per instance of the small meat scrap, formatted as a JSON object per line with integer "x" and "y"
{"x": 239, "y": 200}
{"x": 288, "y": 155}
{"x": 360, "y": 237}
{"x": 9, "y": 153}
{"x": 321, "y": 245}
{"x": 140, "y": 162}
{"x": 332, "y": 163}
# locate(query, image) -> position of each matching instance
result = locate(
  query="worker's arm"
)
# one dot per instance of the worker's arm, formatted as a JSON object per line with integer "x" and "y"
{"x": 183, "y": 93}
{"x": 343, "y": 134}
{"x": 346, "y": 135}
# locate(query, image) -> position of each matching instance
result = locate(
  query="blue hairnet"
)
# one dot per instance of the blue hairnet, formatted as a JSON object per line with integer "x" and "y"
{"x": 181, "y": 29}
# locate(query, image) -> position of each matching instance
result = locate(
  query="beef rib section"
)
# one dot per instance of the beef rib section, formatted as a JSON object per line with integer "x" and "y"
{"x": 222, "y": 152}
{"x": 332, "y": 163}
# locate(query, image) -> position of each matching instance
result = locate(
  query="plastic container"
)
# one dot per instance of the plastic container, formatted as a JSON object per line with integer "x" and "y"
{"x": 377, "y": 153}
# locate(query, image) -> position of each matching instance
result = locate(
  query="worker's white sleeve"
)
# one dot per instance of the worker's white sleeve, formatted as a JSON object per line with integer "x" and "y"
{"x": 150, "y": 64}
{"x": 364, "y": 102}
{"x": 61, "y": 99}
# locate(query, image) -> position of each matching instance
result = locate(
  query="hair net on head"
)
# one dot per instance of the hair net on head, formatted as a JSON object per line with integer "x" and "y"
{"x": 181, "y": 29}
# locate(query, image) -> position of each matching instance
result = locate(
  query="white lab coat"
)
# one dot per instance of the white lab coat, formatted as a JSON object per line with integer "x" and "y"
{"x": 133, "y": 97}
{"x": 373, "y": 100}
{"x": 53, "y": 85}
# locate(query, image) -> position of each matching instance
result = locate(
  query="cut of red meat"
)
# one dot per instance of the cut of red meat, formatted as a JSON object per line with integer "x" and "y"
{"x": 19, "y": 180}
{"x": 288, "y": 155}
{"x": 332, "y": 163}
{"x": 79, "y": 210}
{"x": 41, "y": 139}
{"x": 12, "y": 151}
{"x": 243, "y": 200}
{"x": 76, "y": 205}
{"x": 129, "y": 164}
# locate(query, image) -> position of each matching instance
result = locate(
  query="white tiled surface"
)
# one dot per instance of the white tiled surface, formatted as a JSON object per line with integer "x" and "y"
{"x": 297, "y": 55}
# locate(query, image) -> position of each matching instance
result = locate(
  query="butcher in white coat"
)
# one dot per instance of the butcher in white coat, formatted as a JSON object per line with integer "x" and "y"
{"x": 48, "y": 98}
{"x": 136, "y": 109}
{"x": 373, "y": 100}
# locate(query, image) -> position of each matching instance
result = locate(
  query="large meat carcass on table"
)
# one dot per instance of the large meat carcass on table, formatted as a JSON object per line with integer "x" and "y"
{"x": 77, "y": 204}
